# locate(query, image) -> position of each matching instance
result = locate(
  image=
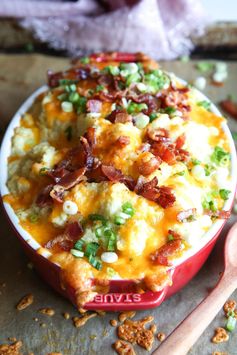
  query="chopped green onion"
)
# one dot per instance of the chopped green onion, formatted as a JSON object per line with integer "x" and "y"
{"x": 74, "y": 97}
{"x": 91, "y": 249}
{"x": 205, "y": 104}
{"x": 85, "y": 60}
{"x": 128, "y": 209}
{"x": 170, "y": 237}
{"x": 111, "y": 69}
{"x": 153, "y": 116}
{"x": 208, "y": 169}
{"x": 170, "y": 110}
{"x": 67, "y": 106}
{"x": 77, "y": 253}
{"x": 95, "y": 262}
{"x": 119, "y": 220}
{"x": 181, "y": 173}
{"x": 68, "y": 133}
{"x": 133, "y": 107}
{"x": 204, "y": 66}
{"x": 67, "y": 82}
{"x": 220, "y": 157}
{"x": 224, "y": 194}
{"x": 79, "y": 245}
{"x": 33, "y": 217}
{"x": 99, "y": 232}
{"x": 209, "y": 204}
{"x": 133, "y": 78}
{"x": 230, "y": 313}
{"x": 81, "y": 104}
{"x": 98, "y": 217}
{"x": 43, "y": 170}
{"x": 196, "y": 162}
{"x": 230, "y": 324}
{"x": 71, "y": 88}
{"x": 62, "y": 97}
{"x": 99, "y": 88}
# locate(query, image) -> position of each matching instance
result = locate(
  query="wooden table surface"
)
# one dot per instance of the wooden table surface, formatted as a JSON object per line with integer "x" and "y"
{"x": 19, "y": 76}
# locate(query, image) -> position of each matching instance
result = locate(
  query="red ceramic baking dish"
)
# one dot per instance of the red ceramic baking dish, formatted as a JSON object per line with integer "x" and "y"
{"x": 122, "y": 294}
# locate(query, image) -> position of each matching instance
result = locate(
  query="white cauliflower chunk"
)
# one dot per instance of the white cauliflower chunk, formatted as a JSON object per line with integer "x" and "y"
{"x": 23, "y": 137}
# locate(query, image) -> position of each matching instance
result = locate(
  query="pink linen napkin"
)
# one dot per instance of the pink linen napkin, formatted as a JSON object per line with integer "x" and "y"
{"x": 160, "y": 28}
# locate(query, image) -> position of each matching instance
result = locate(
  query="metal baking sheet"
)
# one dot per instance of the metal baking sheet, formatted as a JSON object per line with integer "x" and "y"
{"x": 55, "y": 334}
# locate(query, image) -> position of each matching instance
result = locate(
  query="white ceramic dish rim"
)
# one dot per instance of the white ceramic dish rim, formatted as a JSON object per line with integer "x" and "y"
{"x": 6, "y": 151}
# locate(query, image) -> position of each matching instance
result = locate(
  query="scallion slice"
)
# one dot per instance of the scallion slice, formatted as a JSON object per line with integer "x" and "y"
{"x": 67, "y": 106}
{"x": 119, "y": 220}
{"x": 79, "y": 245}
{"x": 231, "y": 323}
{"x": 128, "y": 209}
{"x": 77, "y": 253}
{"x": 224, "y": 194}
{"x": 98, "y": 217}
{"x": 95, "y": 262}
{"x": 91, "y": 249}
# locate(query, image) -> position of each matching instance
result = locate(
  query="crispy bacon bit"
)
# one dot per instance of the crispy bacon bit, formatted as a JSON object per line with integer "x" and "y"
{"x": 44, "y": 199}
{"x": 187, "y": 215}
{"x": 114, "y": 174}
{"x": 147, "y": 167}
{"x": 118, "y": 116}
{"x": 94, "y": 106}
{"x": 158, "y": 134}
{"x": 162, "y": 195}
{"x": 57, "y": 193}
{"x": 90, "y": 136}
{"x": 167, "y": 250}
{"x": 73, "y": 178}
{"x": 89, "y": 159}
{"x": 72, "y": 74}
{"x": 229, "y": 107}
{"x": 180, "y": 141}
{"x": 166, "y": 198}
{"x": 165, "y": 152}
{"x": 218, "y": 214}
{"x": 177, "y": 98}
{"x": 65, "y": 241}
{"x": 152, "y": 102}
{"x": 123, "y": 117}
{"x": 122, "y": 141}
{"x": 105, "y": 79}
{"x": 145, "y": 147}
{"x": 174, "y": 234}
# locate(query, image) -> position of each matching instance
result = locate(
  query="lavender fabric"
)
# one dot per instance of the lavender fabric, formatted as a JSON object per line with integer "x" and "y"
{"x": 160, "y": 28}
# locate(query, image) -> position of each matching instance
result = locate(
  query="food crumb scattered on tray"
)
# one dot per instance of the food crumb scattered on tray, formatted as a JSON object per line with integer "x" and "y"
{"x": 125, "y": 315}
{"x": 11, "y": 349}
{"x": 66, "y": 315}
{"x": 161, "y": 336}
{"x": 220, "y": 336}
{"x": 113, "y": 322}
{"x": 25, "y": 302}
{"x": 79, "y": 322}
{"x": 47, "y": 311}
{"x": 136, "y": 333}
{"x": 122, "y": 348}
